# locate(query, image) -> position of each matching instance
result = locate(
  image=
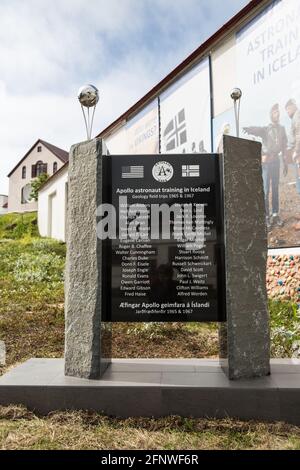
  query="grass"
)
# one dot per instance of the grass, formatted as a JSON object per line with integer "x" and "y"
{"x": 32, "y": 296}
{"x": 15, "y": 226}
{"x": 21, "y": 429}
{"x": 285, "y": 329}
{"x": 168, "y": 340}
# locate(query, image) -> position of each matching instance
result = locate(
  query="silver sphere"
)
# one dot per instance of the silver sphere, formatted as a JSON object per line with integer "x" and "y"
{"x": 236, "y": 94}
{"x": 88, "y": 96}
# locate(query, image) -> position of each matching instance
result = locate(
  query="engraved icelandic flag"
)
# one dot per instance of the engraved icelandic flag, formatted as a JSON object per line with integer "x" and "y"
{"x": 190, "y": 171}
{"x": 132, "y": 171}
{"x": 175, "y": 133}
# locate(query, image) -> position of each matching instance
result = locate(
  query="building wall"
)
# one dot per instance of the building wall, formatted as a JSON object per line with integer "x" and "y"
{"x": 223, "y": 59}
{"x": 261, "y": 56}
{"x": 16, "y": 182}
{"x": 3, "y": 200}
{"x": 52, "y": 207}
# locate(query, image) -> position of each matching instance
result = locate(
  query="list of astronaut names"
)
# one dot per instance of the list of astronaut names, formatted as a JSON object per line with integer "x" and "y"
{"x": 163, "y": 259}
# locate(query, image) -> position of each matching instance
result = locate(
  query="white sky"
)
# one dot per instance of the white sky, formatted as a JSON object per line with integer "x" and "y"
{"x": 49, "y": 48}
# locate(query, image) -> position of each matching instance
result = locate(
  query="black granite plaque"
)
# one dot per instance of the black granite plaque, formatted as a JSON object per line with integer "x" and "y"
{"x": 167, "y": 260}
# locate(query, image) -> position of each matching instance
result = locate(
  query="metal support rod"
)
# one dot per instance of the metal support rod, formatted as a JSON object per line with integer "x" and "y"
{"x": 92, "y": 121}
{"x": 236, "y": 96}
{"x": 237, "y": 107}
{"x": 86, "y": 124}
{"x": 89, "y": 121}
{"x": 89, "y": 124}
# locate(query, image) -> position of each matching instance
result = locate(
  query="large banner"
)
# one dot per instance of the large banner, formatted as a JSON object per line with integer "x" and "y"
{"x": 143, "y": 131}
{"x": 117, "y": 143}
{"x": 268, "y": 72}
{"x": 185, "y": 113}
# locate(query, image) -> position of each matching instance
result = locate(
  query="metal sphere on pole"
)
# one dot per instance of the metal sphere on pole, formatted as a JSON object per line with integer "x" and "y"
{"x": 88, "y": 96}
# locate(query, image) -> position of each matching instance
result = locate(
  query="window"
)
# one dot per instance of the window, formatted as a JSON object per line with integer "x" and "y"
{"x": 23, "y": 172}
{"x": 25, "y": 193}
{"x": 33, "y": 171}
{"x": 39, "y": 168}
{"x": 54, "y": 167}
{"x": 39, "y": 149}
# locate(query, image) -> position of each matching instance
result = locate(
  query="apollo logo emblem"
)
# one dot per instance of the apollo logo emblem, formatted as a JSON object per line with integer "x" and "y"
{"x": 162, "y": 172}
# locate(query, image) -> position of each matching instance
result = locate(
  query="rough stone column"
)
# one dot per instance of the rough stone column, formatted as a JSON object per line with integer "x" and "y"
{"x": 2, "y": 353}
{"x": 245, "y": 337}
{"x": 87, "y": 343}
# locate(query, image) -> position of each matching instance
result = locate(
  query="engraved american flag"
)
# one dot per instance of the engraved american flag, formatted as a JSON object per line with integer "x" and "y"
{"x": 133, "y": 171}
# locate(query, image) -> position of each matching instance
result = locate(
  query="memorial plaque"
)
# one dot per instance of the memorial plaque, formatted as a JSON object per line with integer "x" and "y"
{"x": 164, "y": 251}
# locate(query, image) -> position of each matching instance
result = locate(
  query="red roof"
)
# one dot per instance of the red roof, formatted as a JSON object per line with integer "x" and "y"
{"x": 196, "y": 55}
{"x": 58, "y": 152}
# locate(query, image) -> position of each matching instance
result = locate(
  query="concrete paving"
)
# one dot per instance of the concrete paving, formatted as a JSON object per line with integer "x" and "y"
{"x": 158, "y": 387}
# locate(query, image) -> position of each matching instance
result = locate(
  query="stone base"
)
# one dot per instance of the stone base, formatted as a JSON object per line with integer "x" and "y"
{"x": 157, "y": 387}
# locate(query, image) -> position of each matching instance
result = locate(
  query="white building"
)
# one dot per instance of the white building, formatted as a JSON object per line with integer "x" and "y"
{"x": 3, "y": 204}
{"x": 42, "y": 157}
{"x": 52, "y": 205}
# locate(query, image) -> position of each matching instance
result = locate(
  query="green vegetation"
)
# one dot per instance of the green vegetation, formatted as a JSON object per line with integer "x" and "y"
{"x": 16, "y": 226}
{"x": 32, "y": 296}
{"x": 36, "y": 184}
{"x": 285, "y": 329}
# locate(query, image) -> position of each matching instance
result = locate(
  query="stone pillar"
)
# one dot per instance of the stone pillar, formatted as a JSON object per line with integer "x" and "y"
{"x": 245, "y": 337}
{"x": 2, "y": 353}
{"x": 87, "y": 341}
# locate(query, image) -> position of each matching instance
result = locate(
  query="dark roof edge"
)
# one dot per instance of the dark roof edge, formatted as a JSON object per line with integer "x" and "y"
{"x": 56, "y": 151}
{"x": 200, "y": 51}
{"x": 30, "y": 150}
